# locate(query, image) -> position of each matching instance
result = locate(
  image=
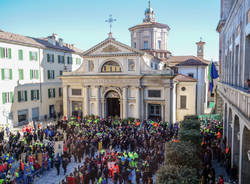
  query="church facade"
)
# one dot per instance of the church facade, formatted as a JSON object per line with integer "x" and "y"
{"x": 130, "y": 81}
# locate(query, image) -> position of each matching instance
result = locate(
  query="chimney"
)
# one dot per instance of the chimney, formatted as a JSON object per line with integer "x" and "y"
{"x": 55, "y": 36}
{"x": 60, "y": 42}
{"x": 200, "y": 49}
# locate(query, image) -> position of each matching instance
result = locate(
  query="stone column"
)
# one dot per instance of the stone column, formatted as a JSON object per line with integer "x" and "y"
{"x": 125, "y": 102}
{"x": 65, "y": 101}
{"x": 142, "y": 104}
{"x": 86, "y": 100}
{"x": 138, "y": 104}
{"x": 98, "y": 101}
{"x": 146, "y": 104}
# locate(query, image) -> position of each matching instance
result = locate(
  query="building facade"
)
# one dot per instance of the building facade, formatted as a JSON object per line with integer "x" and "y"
{"x": 30, "y": 88}
{"x": 234, "y": 29}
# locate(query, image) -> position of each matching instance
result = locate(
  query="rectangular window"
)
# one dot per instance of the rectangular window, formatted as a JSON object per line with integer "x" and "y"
{"x": 159, "y": 44}
{"x": 33, "y": 56}
{"x": 78, "y": 61}
{"x": 20, "y": 54}
{"x": 23, "y": 115}
{"x": 6, "y": 74}
{"x": 5, "y": 52}
{"x": 131, "y": 65}
{"x": 51, "y": 74}
{"x": 34, "y": 94}
{"x": 69, "y": 60}
{"x": 248, "y": 16}
{"x": 60, "y": 59}
{"x": 60, "y": 73}
{"x": 7, "y": 97}
{"x": 191, "y": 75}
{"x": 20, "y": 73}
{"x": 50, "y": 58}
{"x": 154, "y": 93}
{"x": 183, "y": 102}
{"x": 22, "y": 96}
{"x": 60, "y": 92}
{"x": 135, "y": 45}
{"x": 34, "y": 74}
{"x": 51, "y": 93}
{"x": 76, "y": 92}
{"x": 145, "y": 44}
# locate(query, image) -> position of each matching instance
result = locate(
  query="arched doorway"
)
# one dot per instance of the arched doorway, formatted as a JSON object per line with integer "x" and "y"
{"x": 245, "y": 176}
{"x": 112, "y": 104}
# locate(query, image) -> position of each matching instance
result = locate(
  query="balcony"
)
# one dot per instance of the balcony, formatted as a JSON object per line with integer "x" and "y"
{"x": 239, "y": 97}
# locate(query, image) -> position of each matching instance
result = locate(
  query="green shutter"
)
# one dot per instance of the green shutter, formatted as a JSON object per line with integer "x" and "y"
{"x": 19, "y": 96}
{"x": 48, "y": 74}
{"x": 4, "y": 97}
{"x": 53, "y": 74}
{"x": 37, "y": 74}
{"x": 30, "y": 56}
{"x": 3, "y": 74}
{"x": 48, "y": 58}
{"x": 25, "y": 96}
{"x": 10, "y": 72}
{"x": 9, "y": 49}
{"x": 63, "y": 59}
{"x": 31, "y": 75}
{"x": 32, "y": 94}
{"x": 36, "y": 55}
{"x": 2, "y": 52}
{"x": 58, "y": 59}
{"x": 52, "y": 58}
{"x": 12, "y": 97}
{"x": 20, "y": 74}
{"x": 54, "y": 92}
{"x": 20, "y": 54}
{"x": 37, "y": 94}
{"x": 49, "y": 93}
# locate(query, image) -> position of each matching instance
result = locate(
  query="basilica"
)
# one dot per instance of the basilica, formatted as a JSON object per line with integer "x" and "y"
{"x": 134, "y": 81}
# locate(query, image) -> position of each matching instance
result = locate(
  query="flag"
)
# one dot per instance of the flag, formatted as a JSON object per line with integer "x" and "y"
{"x": 212, "y": 74}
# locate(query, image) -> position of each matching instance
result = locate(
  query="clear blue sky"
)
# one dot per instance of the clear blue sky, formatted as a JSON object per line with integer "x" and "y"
{"x": 82, "y": 22}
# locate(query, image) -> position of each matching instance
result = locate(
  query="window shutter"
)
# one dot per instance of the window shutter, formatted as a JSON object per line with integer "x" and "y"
{"x": 68, "y": 59}
{"x": 4, "y": 97}
{"x": 183, "y": 102}
{"x": 53, "y": 58}
{"x": 63, "y": 59}
{"x": 20, "y": 54}
{"x": 54, "y": 92}
{"x": 32, "y": 94}
{"x": 2, "y": 52}
{"x": 31, "y": 75}
{"x": 37, "y": 94}
{"x": 48, "y": 74}
{"x": 58, "y": 57}
{"x": 3, "y": 74}
{"x": 37, "y": 74}
{"x": 10, "y": 73}
{"x": 25, "y": 96}
{"x": 30, "y": 56}
{"x": 36, "y": 55}
{"x": 53, "y": 74}
{"x": 12, "y": 97}
{"x": 48, "y": 58}
{"x": 19, "y": 96}
{"x": 49, "y": 93}
{"x": 9, "y": 50}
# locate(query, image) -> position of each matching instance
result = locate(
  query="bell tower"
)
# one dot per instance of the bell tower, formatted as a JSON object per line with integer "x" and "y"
{"x": 200, "y": 48}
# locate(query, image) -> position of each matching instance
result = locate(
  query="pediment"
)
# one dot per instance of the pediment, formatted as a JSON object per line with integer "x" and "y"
{"x": 111, "y": 47}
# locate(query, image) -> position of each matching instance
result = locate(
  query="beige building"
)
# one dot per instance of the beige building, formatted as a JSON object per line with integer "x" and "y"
{"x": 119, "y": 80}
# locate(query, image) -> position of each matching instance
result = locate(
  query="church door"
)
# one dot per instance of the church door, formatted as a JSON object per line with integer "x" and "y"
{"x": 113, "y": 104}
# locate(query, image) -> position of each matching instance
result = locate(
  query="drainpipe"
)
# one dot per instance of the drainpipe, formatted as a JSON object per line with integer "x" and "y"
{"x": 196, "y": 98}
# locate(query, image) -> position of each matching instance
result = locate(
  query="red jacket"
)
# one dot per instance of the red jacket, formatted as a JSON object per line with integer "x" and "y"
{"x": 71, "y": 180}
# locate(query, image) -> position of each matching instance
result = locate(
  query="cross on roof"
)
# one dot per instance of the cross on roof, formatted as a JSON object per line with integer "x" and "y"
{"x": 110, "y": 21}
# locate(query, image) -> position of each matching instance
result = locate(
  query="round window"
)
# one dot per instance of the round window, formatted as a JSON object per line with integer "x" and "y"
{"x": 183, "y": 88}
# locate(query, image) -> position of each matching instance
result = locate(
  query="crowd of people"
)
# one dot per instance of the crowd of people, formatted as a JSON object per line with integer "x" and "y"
{"x": 109, "y": 150}
{"x": 214, "y": 148}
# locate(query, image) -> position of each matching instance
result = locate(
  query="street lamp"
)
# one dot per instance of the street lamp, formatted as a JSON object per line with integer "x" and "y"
{"x": 248, "y": 154}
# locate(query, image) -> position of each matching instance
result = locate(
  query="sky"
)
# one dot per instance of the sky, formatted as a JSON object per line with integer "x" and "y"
{"x": 82, "y": 22}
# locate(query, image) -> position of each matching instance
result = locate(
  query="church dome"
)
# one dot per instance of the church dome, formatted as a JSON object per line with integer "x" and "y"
{"x": 149, "y": 10}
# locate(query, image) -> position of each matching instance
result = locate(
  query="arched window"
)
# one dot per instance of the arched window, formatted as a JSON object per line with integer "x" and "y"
{"x": 111, "y": 66}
